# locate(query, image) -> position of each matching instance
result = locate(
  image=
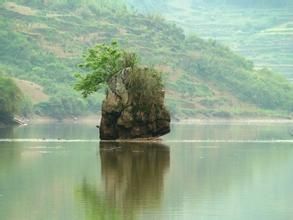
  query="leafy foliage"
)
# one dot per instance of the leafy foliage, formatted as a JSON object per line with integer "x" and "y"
{"x": 62, "y": 106}
{"x": 103, "y": 62}
{"x": 10, "y": 97}
{"x": 146, "y": 87}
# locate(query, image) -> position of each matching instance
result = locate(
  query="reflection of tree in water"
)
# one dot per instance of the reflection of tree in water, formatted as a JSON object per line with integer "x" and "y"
{"x": 7, "y": 132}
{"x": 96, "y": 205}
{"x": 10, "y": 152}
{"x": 133, "y": 175}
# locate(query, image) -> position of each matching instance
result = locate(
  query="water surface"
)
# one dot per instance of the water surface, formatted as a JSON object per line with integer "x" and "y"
{"x": 199, "y": 171}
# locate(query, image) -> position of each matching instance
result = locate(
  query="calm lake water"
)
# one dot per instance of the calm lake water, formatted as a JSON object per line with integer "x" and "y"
{"x": 211, "y": 171}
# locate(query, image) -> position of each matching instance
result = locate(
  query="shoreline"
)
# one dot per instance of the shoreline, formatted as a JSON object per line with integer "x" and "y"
{"x": 95, "y": 119}
{"x": 92, "y": 119}
{"x": 234, "y": 121}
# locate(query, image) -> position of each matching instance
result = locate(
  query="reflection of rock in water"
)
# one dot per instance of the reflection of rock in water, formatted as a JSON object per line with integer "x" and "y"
{"x": 133, "y": 174}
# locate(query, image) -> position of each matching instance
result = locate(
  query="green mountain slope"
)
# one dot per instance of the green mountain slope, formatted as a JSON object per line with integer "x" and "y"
{"x": 260, "y": 30}
{"x": 154, "y": 4}
{"x": 203, "y": 78}
{"x": 250, "y": 3}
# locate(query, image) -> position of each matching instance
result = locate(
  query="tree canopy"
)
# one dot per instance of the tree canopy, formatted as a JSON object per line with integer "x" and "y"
{"x": 102, "y": 62}
{"x": 10, "y": 97}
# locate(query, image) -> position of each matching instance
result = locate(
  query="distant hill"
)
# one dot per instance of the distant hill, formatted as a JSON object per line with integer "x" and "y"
{"x": 203, "y": 78}
{"x": 250, "y": 3}
{"x": 240, "y": 3}
{"x": 258, "y": 30}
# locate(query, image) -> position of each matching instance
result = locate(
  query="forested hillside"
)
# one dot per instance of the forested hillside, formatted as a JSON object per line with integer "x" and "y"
{"x": 252, "y": 3}
{"x": 203, "y": 78}
{"x": 73, "y": 4}
{"x": 262, "y": 34}
{"x": 239, "y": 3}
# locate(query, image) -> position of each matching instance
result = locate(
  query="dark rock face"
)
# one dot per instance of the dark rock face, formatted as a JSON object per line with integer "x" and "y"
{"x": 121, "y": 119}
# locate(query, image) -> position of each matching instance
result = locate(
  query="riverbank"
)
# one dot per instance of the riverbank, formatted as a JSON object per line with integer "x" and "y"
{"x": 235, "y": 121}
{"x": 95, "y": 119}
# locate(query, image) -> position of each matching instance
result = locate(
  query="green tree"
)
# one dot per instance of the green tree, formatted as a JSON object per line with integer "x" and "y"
{"x": 10, "y": 98}
{"x": 101, "y": 63}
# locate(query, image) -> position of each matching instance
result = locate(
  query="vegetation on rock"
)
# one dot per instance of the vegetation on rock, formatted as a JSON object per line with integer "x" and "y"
{"x": 104, "y": 61}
